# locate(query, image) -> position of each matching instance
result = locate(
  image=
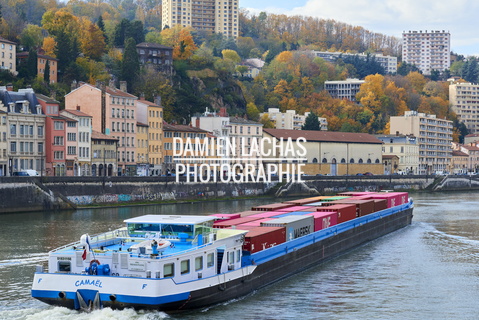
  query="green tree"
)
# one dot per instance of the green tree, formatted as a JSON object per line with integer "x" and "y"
{"x": 130, "y": 67}
{"x": 46, "y": 74}
{"x": 31, "y": 37}
{"x": 311, "y": 122}
{"x": 252, "y": 111}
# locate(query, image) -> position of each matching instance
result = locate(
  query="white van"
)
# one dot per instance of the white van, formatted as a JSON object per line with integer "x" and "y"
{"x": 31, "y": 173}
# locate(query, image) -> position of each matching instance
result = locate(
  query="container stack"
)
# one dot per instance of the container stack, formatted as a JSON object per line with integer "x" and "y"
{"x": 273, "y": 224}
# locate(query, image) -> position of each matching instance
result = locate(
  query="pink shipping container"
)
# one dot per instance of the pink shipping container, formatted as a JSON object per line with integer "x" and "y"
{"x": 402, "y": 197}
{"x": 272, "y": 207}
{"x": 356, "y": 193}
{"x": 226, "y": 216}
{"x": 295, "y": 208}
{"x": 255, "y": 223}
{"x": 261, "y": 238}
{"x": 323, "y": 220}
{"x": 266, "y": 214}
{"x": 345, "y": 212}
{"x": 393, "y": 199}
{"x": 233, "y": 222}
{"x": 247, "y": 213}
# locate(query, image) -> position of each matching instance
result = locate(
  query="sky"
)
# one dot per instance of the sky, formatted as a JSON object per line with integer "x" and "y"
{"x": 389, "y": 17}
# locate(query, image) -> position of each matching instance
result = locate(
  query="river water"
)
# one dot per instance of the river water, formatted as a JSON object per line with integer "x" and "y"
{"x": 429, "y": 270}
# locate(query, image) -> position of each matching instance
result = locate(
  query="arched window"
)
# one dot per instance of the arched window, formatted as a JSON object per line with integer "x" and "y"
{"x": 351, "y": 161}
{"x": 343, "y": 160}
{"x": 377, "y": 161}
{"x": 315, "y": 160}
{"x": 334, "y": 161}
{"x": 369, "y": 160}
{"x": 360, "y": 160}
{"x": 325, "y": 160}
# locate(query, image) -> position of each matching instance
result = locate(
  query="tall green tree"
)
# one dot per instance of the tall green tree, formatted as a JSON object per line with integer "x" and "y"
{"x": 311, "y": 122}
{"x": 130, "y": 67}
{"x": 46, "y": 73}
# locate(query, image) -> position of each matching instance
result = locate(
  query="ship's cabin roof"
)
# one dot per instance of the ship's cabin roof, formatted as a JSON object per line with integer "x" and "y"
{"x": 171, "y": 219}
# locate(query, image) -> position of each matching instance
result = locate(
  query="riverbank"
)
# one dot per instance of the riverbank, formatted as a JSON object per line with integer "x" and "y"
{"x": 65, "y": 193}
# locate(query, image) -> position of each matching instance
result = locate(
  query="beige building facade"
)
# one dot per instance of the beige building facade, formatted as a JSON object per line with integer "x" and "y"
{"x": 290, "y": 120}
{"x": 434, "y": 139}
{"x": 151, "y": 114}
{"x": 329, "y": 153}
{"x": 8, "y": 55}
{"x": 406, "y": 148}
{"x": 464, "y": 99}
{"x": 218, "y": 16}
{"x": 113, "y": 113}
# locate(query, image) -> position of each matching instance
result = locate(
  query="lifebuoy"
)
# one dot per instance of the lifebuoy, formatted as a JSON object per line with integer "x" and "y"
{"x": 94, "y": 261}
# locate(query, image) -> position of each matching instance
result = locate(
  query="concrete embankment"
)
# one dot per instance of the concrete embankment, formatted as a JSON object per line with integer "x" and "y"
{"x": 60, "y": 193}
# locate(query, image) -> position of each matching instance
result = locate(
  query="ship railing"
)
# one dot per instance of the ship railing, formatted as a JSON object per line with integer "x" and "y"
{"x": 162, "y": 255}
{"x": 102, "y": 239}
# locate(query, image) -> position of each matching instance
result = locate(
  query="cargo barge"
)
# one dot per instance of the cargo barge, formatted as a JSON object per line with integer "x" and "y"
{"x": 174, "y": 263}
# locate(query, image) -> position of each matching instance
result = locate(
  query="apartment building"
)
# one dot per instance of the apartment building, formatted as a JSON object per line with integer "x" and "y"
{"x": 406, "y": 148}
{"x": 464, "y": 99}
{"x": 156, "y": 55}
{"x": 389, "y": 63}
{"x": 8, "y": 55}
{"x": 42, "y": 60}
{"x": 218, "y": 16}
{"x": 3, "y": 144}
{"x": 25, "y": 124}
{"x": 104, "y": 160}
{"x": 427, "y": 50}
{"x": 79, "y": 123}
{"x": 290, "y": 120}
{"x": 114, "y": 113}
{"x": 434, "y": 139}
{"x": 142, "y": 161}
{"x": 151, "y": 114}
{"x": 344, "y": 89}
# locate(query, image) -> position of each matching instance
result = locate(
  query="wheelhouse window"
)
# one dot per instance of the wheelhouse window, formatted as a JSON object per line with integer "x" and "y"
{"x": 64, "y": 266}
{"x": 210, "y": 260}
{"x": 198, "y": 263}
{"x": 169, "y": 270}
{"x": 185, "y": 266}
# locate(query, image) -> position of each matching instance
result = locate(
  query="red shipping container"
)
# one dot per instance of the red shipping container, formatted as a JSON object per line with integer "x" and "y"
{"x": 323, "y": 220}
{"x": 392, "y": 199}
{"x": 261, "y": 238}
{"x": 345, "y": 212}
{"x": 295, "y": 208}
{"x": 363, "y": 207}
{"x": 226, "y": 216}
{"x": 272, "y": 206}
{"x": 356, "y": 193}
{"x": 380, "y": 204}
{"x": 233, "y": 222}
{"x": 266, "y": 214}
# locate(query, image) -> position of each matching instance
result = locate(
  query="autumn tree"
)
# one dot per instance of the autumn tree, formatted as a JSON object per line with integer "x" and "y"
{"x": 92, "y": 41}
{"x": 31, "y": 37}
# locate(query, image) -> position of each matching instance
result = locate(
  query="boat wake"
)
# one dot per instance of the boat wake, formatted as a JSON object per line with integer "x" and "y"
{"x": 24, "y": 260}
{"x": 60, "y": 313}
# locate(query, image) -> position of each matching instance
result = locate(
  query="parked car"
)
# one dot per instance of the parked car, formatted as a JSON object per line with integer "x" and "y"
{"x": 19, "y": 174}
{"x": 368, "y": 174}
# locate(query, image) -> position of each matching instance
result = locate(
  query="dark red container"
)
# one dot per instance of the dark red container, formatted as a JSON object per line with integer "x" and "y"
{"x": 363, "y": 207}
{"x": 380, "y": 204}
{"x": 345, "y": 212}
{"x": 356, "y": 193}
{"x": 272, "y": 207}
{"x": 294, "y": 208}
{"x": 247, "y": 213}
{"x": 301, "y": 202}
{"x": 323, "y": 220}
{"x": 233, "y": 222}
{"x": 261, "y": 238}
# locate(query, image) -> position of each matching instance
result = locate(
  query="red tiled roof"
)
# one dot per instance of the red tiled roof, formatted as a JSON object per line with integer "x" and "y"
{"x": 457, "y": 153}
{"x": 77, "y": 113}
{"x": 324, "y": 136}
{"x": 118, "y": 92}
{"x": 148, "y": 103}
{"x": 100, "y": 136}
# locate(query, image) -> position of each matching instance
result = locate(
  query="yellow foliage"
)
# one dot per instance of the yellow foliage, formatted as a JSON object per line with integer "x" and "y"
{"x": 285, "y": 57}
{"x": 49, "y": 45}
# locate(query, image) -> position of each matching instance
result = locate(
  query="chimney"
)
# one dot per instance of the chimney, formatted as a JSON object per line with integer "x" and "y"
{"x": 74, "y": 85}
{"x": 142, "y": 96}
{"x": 78, "y": 108}
{"x": 9, "y": 87}
{"x": 111, "y": 84}
{"x": 397, "y": 133}
{"x": 197, "y": 122}
{"x": 223, "y": 112}
{"x": 123, "y": 86}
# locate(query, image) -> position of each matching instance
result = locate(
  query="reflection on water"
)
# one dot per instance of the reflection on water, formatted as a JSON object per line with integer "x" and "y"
{"x": 427, "y": 270}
